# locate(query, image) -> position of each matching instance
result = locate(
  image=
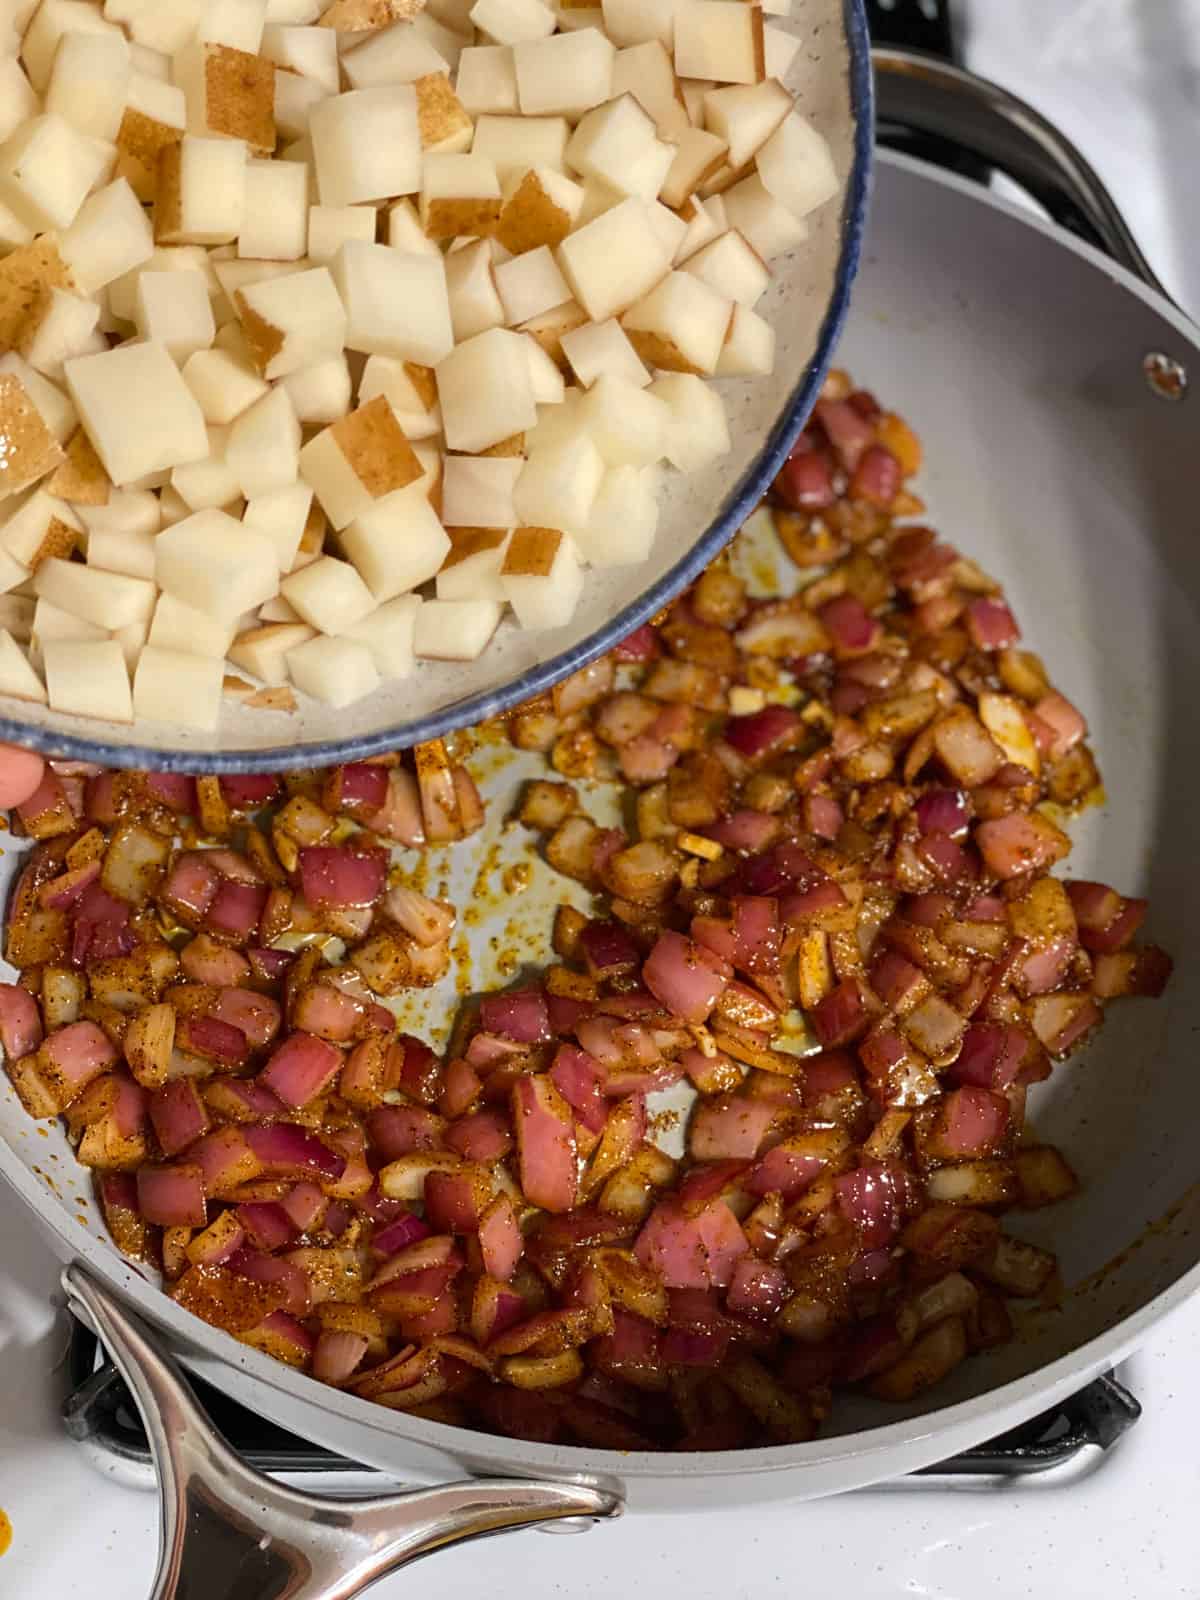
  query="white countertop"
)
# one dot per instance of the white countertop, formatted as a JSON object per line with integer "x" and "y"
{"x": 1122, "y": 77}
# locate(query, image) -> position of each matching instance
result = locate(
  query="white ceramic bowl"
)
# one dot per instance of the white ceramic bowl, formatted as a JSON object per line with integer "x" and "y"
{"x": 806, "y": 303}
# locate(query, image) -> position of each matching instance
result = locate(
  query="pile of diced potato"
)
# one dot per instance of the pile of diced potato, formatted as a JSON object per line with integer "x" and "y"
{"x": 329, "y": 331}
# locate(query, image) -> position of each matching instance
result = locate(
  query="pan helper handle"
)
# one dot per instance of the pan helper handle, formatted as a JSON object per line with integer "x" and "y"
{"x": 228, "y": 1532}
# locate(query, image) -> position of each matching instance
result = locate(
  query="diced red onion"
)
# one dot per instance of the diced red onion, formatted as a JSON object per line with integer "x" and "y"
{"x": 335, "y": 877}
{"x": 686, "y": 978}
{"x": 282, "y": 1147}
{"x": 178, "y": 1115}
{"x": 518, "y": 1014}
{"x": 301, "y": 1068}
{"x": 172, "y": 1196}
{"x": 20, "y": 1021}
{"x": 545, "y": 1144}
{"x": 850, "y": 625}
{"x": 991, "y": 625}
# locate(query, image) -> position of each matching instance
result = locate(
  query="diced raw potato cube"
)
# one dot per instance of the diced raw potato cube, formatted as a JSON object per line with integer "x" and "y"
{"x": 472, "y": 569}
{"x": 487, "y": 80}
{"x": 211, "y": 561}
{"x": 13, "y": 232}
{"x": 18, "y": 102}
{"x": 164, "y": 25}
{"x": 17, "y": 677}
{"x": 110, "y": 236}
{"x": 623, "y": 520}
{"x": 351, "y": 17}
{"x": 429, "y": 459}
{"x": 796, "y": 166}
{"x": 31, "y": 450}
{"x": 398, "y": 544}
{"x": 89, "y": 83}
{"x": 646, "y": 71}
{"x": 87, "y": 678}
{"x": 455, "y": 630}
{"x": 698, "y": 432}
{"x": 201, "y": 191}
{"x": 60, "y": 325}
{"x": 601, "y": 349}
{"x": 80, "y": 479}
{"x": 170, "y": 686}
{"x": 460, "y": 194}
{"x": 731, "y": 267}
{"x": 404, "y": 230}
{"x": 559, "y": 482}
{"x": 366, "y": 145}
{"x": 49, "y": 622}
{"x": 125, "y": 511}
{"x": 137, "y": 410}
{"x": 627, "y": 424}
{"x": 281, "y": 517}
{"x": 12, "y": 576}
{"x": 474, "y": 300}
{"x": 174, "y": 309}
{"x": 396, "y": 303}
{"x": 51, "y": 22}
{"x": 393, "y": 55}
{"x": 295, "y": 98}
{"x": 485, "y": 391}
{"x": 749, "y": 348}
{"x": 745, "y": 116}
{"x": 329, "y": 595}
{"x": 335, "y": 671}
{"x": 704, "y": 224}
{"x": 698, "y": 154}
{"x": 630, "y": 22}
{"x": 511, "y": 21}
{"x": 443, "y": 124}
{"x": 521, "y": 144}
{"x": 47, "y": 169}
{"x": 38, "y": 527}
{"x": 617, "y": 144}
{"x": 540, "y": 208}
{"x": 780, "y": 49}
{"x": 564, "y": 75}
{"x": 155, "y": 116}
{"x": 615, "y": 259}
{"x": 719, "y": 39}
{"x": 236, "y": 23}
{"x": 121, "y": 293}
{"x": 320, "y": 394}
{"x": 388, "y": 635}
{"x": 681, "y": 324}
{"x": 211, "y": 482}
{"x": 541, "y": 577}
{"x": 109, "y": 599}
{"x": 549, "y": 329}
{"x": 264, "y": 651}
{"x": 410, "y": 390}
{"x": 263, "y": 450}
{"x": 477, "y": 491}
{"x": 129, "y": 553}
{"x": 275, "y": 219}
{"x": 222, "y": 386}
{"x": 56, "y": 409}
{"x": 230, "y": 94}
{"x": 357, "y": 461}
{"x": 330, "y": 227}
{"x": 545, "y": 379}
{"x": 766, "y": 223}
{"x": 178, "y": 626}
{"x": 530, "y": 284}
{"x": 292, "y": 322}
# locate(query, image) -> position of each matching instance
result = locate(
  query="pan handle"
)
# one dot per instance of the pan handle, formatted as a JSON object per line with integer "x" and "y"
{"x": 228, "y": 1532}
{"x": 932, "y": 96}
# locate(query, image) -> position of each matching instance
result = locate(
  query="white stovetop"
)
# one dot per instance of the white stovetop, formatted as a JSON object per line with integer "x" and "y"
{"x": 1123, "y": 78}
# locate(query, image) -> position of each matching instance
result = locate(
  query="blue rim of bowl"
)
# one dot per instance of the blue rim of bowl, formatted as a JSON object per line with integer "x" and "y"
{"x": 737, "y": 507}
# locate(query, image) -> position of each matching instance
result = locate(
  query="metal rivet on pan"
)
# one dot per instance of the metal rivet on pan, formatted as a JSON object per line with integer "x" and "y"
{"x": 1167, "y": 377}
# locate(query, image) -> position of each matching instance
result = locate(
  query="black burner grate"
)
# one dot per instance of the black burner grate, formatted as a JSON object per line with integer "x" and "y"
{"x": 100, "y": 1410}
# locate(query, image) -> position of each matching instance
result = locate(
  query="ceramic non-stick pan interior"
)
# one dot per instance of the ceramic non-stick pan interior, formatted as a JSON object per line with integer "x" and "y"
{"x": 1019, "y": 358}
